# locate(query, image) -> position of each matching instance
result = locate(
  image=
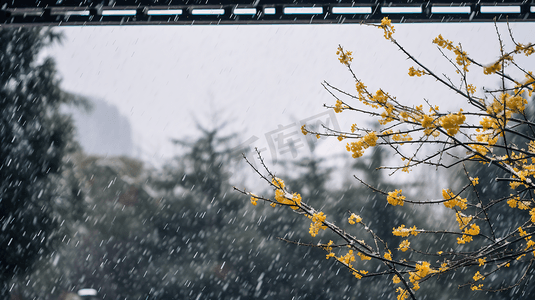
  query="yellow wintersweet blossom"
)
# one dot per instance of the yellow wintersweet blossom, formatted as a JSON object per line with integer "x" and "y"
{"x": 468, "y": 233}
{"x": 527, "y": 49}
{"x": 506, "y": 103}
{"x": 395, "y": 198}
{"x": 317, "y": 223}
{"x": 347, "y": 259}
{"x": 358, "y": 274}
{"x": 473, "y": 230}
{"x": 404, "y": 246}
{"x": 414, "y": 72}
{"x": 345, "y": 57}
{"x": 396, "y": 279}
{"x": 461, "y": 56}
{"x": 277, "y": 182}
{"x": 478, "y": 276}
{"x": 404, "y": 232}
{"x": 422, "y": 269}
{"x": 523, "y": 205}
{"x": 452, "y": 122}
{"x": 482, "y": 261}
{"x": 339, "y": 106}
{"x": 493, "y": 68}
{"x": 358, "y": 147}
{"x": 463, "y": 220}
{"x": 455, "y": 200}
{"x": 353, "y": 219}
{"x": 363, "y": 256}
{"x": 477, "y": 287}
{"x": 401, "y": 137}
{"x": 304, "y": 130}
{"x": 529, "y": 244}
{"x": 403, "y": 294}
{"x": 370, "y": 139}
{"x": 532, "y": 214}
{"x": 427, "y": 122}
{"x": 471, "y": 89}
{"x": 294, "y": 201}
{"x": 388, "y": 255}
{"x": 474, "y": 181}
{"x": 328, "y": 247}
{"x": 254, "y": 198}
{"x": 386, "y": 25}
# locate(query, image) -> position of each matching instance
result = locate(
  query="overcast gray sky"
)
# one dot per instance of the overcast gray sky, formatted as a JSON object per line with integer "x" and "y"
{"x": 257, "y": 76}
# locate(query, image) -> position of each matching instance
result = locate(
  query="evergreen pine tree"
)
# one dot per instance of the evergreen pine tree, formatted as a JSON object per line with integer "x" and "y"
{"x": 35, "y": 136}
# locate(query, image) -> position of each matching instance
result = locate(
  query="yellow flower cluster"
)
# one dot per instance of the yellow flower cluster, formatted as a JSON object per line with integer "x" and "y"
{"x": 347, "y": 259}
{"x": 414, "y": 72}
{"x": 452, "y": 122}
{"x": 317, "y": 223}
{"x": 278, "y": 183}
{"x": 516, "y": 202}
{"x": 476, "y": 287}
{"x": 254, "y": 198}
{"x": 443, "y": 267}
{"x": 403, "y": 294}
{"x": 529, "y": 83}
{"x": 529, "y": 243}
{"x": 422, "y": 269}
{"x": 363, "y": 256}
{"x": 404, "y": 246}
{"x": 461, "y": 56}
{"x": 353, "y": 219}
{"x": 401, "y": 137}
{"x": 284, "y": 198}
{"x": 471, "y": 89}
{"x": 358, "y": 274}
{"x": 491, "y": 69}
{"x": 463, "y": 220}
{"x": 339, "y": 106}
{"x": 455, "y": 200}
{"x": 358, "y": 147}
{"x": 498, "y": 65}
{"x": 395, "y": 198}
{"x": 304, "y": 130}
{"x": 478, "y": 276}
{"x": 386, "y": 25}
{"x": 468, "y": 233}
{"x": 427, "y": 122}
{"x": 329, "y": 249}
{"x": 404, "y": 232}
{"x": 345, "y": 57}
{"x": 506, "y": 104}
{"x": 527, "y": 49}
